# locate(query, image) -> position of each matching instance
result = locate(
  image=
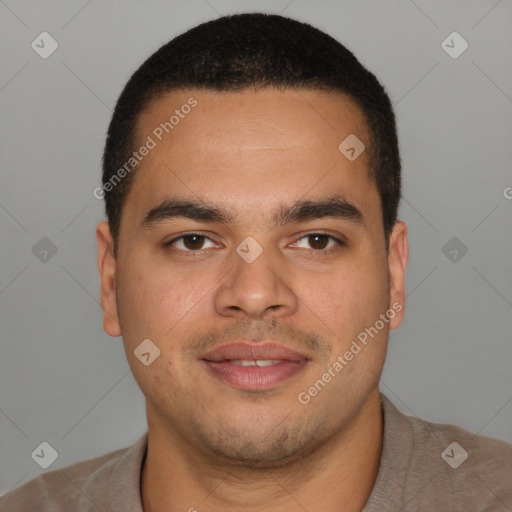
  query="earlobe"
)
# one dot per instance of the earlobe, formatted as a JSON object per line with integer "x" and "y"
{"x": 107, "y": 272}
{"x": 398, "y": 256}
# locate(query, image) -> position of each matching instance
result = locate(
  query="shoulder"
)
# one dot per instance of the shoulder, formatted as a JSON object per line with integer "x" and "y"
{"x": 462, "y": 449}
{"x": 81, "y": 486}
{"x": 450, "y": 465}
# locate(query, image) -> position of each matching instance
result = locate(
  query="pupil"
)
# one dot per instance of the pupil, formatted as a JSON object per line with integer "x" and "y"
{"x": 316, "y": 240}
{"x": 193, "y": 242}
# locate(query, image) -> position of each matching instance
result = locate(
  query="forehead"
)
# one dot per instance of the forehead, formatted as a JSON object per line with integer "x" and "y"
{"x": 251, "y": 148}
{"x": 260, "y": 119}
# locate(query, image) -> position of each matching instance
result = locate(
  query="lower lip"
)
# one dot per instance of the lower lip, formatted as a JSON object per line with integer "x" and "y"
{"x": 255, "y": 378}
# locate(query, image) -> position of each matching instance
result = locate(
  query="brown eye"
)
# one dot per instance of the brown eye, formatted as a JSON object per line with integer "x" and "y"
{"x": 190, "y": 242}
{"x": 318, "y": 241}
{"x": 321, "y": 242}
{"x": 193, "y": 242}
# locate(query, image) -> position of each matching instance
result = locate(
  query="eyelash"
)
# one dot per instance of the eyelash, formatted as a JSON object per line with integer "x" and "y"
{"x": 169, "y": 244}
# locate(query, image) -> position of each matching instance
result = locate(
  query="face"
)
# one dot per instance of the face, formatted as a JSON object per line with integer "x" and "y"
{"x": 248, "y": 235}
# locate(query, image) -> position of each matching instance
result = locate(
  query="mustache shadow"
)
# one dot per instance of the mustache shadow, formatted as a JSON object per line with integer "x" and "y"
{"x": 257, "y": 331}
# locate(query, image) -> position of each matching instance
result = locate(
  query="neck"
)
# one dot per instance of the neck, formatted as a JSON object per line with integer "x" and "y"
{"x": 338, "y": 476}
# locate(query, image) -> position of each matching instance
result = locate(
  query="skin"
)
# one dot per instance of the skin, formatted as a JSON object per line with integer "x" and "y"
{"x": 211, "y": 446}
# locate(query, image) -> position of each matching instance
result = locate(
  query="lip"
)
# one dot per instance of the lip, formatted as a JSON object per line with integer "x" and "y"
{"x": 235, "y": 351}
{"x": 219, "y": 363}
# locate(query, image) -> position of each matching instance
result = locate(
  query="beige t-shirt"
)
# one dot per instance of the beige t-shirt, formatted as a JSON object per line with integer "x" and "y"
{"x": 424, "y": 467}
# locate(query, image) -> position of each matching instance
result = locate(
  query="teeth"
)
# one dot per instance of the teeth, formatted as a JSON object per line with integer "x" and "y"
{"x": 259, "y": 362}
{"x": 266, "y": 362}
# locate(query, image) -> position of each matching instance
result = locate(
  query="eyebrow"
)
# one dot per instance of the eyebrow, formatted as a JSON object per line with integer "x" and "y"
{"x": 336, "y": 207}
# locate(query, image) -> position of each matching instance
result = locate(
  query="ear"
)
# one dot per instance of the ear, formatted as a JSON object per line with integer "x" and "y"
{"x": 398, "y": 255}
{"x": 107, "y": 270}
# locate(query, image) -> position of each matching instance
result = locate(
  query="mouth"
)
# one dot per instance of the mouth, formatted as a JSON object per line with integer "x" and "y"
{"x": 254, "y": 367}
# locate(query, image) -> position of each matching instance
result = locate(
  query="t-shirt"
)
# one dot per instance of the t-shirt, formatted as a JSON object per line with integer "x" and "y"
{"x": 424, "y": 467}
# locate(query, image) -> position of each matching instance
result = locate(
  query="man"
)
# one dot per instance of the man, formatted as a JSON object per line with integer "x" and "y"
{"x": 254, "y": 265}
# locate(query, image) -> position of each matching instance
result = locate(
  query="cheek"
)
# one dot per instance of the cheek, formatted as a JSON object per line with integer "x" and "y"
{"x": 357, "y": 295}
{"x": 156, "y": 299}
{"x": 143, "y": 298}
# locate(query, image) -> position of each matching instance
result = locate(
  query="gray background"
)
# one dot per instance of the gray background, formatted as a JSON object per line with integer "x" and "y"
{"x": 64, "y": 381}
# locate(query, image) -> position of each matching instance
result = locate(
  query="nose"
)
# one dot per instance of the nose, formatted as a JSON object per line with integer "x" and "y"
{"x": 255, "y": 290}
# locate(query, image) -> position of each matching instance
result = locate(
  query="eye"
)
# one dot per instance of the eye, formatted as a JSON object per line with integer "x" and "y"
{"x": 190, "y": 242}
{"x": 196, "y": 242}
{"x": 319, "y": 242}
